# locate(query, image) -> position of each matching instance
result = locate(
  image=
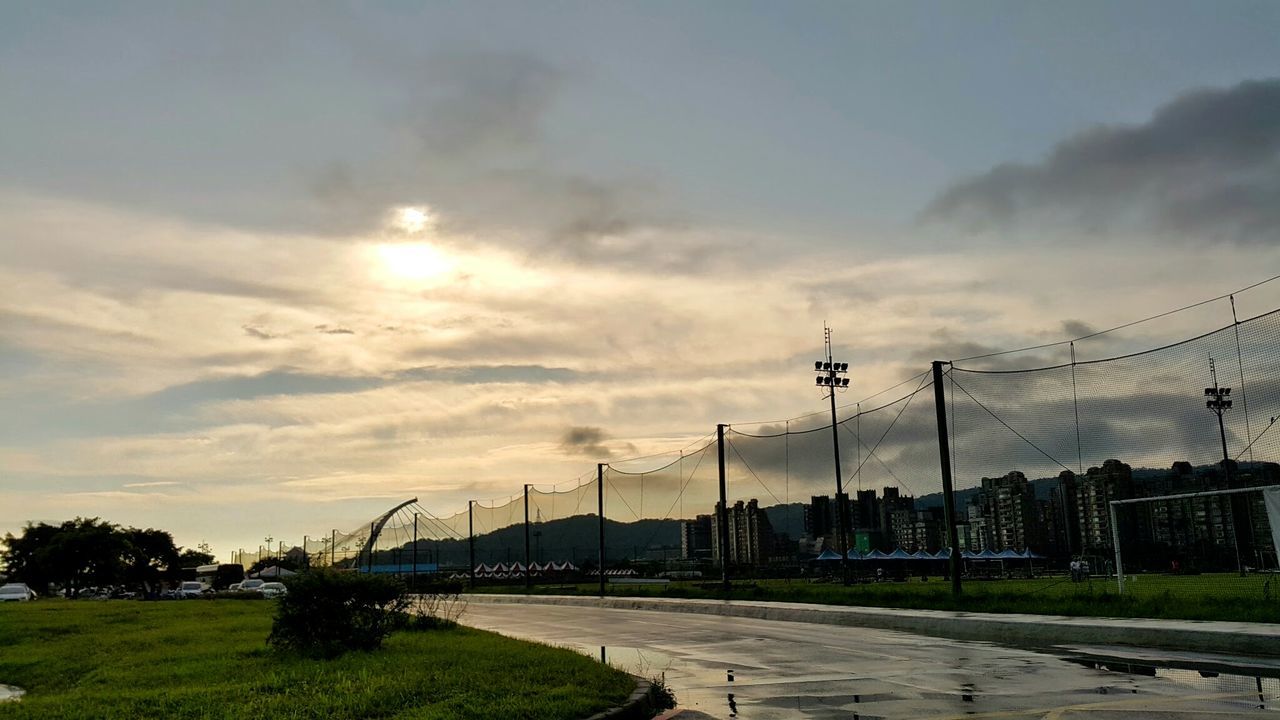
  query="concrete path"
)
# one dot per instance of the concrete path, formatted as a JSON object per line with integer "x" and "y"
{"x": 724, "y": 667}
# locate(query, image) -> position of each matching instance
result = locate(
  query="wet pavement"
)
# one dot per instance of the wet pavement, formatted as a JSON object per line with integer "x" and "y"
{"x": 724, "y": 667}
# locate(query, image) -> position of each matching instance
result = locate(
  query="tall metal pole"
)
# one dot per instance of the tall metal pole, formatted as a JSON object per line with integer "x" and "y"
{"x": 600, "y": 514}
{"x": 414, "y": 572}
{"x": 1218, "y": 404}
{"x": 306, "y": 556}
{"x": 471, "y": 543}
{"x": 370, "y": 544}
{"x": 948, "y": 494}
{"x": 333, "y": 547}
{"x": 842, "y": 502}
{"x": 722, "y": 512}
{"x": 528, "y": 577}
{"x": 830, "y": 380}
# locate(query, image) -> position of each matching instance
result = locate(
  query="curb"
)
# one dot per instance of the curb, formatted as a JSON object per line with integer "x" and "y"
{"x": 637, "y": 707}
{"x": 1231, "y": 638}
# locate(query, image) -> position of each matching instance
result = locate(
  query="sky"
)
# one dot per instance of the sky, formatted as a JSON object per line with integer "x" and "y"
{"x": 268, "y": 269}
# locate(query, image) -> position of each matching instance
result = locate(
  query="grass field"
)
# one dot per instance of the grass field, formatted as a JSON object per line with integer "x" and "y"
{"x": 1224, "y": 596}
{"x": 208, "y": 659}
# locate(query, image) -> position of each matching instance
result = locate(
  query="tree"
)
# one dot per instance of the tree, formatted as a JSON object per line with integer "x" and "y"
{"x": 149, "y": 557}
{"x": 195, "y": 558}
{"x": 285, "y": 562}
{"x": 89, "y": 552}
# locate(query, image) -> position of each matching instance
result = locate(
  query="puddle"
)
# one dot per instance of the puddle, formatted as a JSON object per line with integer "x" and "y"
{"x": 10, "y": 693}
{"x": 1262, "y": 684}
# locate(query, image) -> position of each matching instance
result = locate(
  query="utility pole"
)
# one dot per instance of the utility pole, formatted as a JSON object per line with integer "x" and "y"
{"x": 831, "y": 381}
{"x": 333, "y": 547}
{"x": 414, "y": 572}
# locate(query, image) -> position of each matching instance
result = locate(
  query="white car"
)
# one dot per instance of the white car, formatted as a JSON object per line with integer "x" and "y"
{"x": 274, "y": 589}
{"x": 252, "y": 585}
{"x": 16, "y": 592}
{"x": 192, "y": 589}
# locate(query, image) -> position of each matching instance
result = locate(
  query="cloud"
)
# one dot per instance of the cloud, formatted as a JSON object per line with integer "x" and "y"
{"x": 257, "y": 332}
{"x": 1205, "y": 166}
{"x": 590, "y": 441}
{"x": 327, "y": 330}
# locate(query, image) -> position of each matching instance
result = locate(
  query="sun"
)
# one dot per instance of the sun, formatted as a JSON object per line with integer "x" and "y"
{"x": 413, "y": 261}
{"x": 411, "y": 219}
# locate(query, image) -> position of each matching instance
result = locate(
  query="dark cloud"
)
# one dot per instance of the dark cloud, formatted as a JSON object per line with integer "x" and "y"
{"x": 585, "y": 441}
{"x": 258, "y": 332}
{"x": 1206, "y": 165}
{"x": 590, "y": 441}
{"x": 1077, "y": 328}
{"x": 327, "y": 330}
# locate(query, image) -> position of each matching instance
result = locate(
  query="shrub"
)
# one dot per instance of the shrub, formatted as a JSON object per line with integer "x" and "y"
{"x": 437, "y": 609}
{"x": 328, "y": 612}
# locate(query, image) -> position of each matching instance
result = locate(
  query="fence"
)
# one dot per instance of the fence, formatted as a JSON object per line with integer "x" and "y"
{"x": 1038, "y": 442}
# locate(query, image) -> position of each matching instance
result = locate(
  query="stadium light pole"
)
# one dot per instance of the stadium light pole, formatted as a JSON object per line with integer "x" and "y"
{"x": 831, "y": 379}
{"x": 1218, "y": 403}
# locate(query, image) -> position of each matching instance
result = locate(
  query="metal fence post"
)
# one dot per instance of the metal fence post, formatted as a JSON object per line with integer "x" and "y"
{"x": 948, "y": 494}
{"x": 528, "y": 576}
{"x": 600, "y": 512}
{"x": 471, "y": 543}
{"x": 723, "y": 514}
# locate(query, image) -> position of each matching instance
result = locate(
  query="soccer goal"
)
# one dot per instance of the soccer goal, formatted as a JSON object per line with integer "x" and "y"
{"x": 1208, "y": 542}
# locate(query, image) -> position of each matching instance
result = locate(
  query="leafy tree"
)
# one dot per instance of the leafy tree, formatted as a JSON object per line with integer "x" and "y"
{"x": 285, "y": 562}
{"x": 195, "y": 558}
{"x": 150, "y": 557}
{"x": 88, "y": 552}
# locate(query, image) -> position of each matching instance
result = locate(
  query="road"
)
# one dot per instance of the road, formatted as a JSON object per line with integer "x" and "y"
{"x": 757, "y": 669}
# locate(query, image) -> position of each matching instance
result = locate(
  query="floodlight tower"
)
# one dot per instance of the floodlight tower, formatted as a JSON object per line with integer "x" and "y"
{"x": 1219, "y": 404}
{"x": 832, "y": 378}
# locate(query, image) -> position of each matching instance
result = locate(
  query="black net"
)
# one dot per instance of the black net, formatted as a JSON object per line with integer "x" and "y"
{"x": 1040, "y": 440}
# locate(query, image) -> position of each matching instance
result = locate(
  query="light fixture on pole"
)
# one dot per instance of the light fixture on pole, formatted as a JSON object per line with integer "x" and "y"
{"x": 1218, "y": 403}
{"x": 831, "y": 378}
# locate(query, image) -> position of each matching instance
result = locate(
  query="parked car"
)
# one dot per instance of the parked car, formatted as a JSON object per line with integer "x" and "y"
{"x": 252, "y": 585}
{"x": 233, "y": 587}
{"x": 16, "y": 592}
{"x": 191, "y": 589}
{"x": 274, "y": 589}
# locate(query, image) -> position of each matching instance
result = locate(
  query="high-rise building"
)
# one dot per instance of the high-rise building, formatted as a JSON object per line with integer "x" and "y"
{"x": 750, "y": 534}
{"x": 819, "y": 517}
{"x": 695, "y": 538}
{"x": 1094, "y": 491}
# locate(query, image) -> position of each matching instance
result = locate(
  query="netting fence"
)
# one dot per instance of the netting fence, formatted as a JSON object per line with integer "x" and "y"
{"x": 1040, "y": 442}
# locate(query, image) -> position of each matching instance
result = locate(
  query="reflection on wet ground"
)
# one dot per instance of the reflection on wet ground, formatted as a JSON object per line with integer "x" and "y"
{"x": 742, "y": 668}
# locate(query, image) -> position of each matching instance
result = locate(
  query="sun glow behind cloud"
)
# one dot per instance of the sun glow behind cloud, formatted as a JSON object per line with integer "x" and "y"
{"x": 413, "y": 261}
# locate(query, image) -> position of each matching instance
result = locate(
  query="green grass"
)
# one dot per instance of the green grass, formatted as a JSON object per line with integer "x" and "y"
{"x": 209, "y": 659}
{"x": 1222, "y": 596}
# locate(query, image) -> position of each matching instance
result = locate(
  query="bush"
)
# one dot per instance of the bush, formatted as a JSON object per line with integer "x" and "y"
{"x": 328, "y": 612}
{"x": 436, "y": 610}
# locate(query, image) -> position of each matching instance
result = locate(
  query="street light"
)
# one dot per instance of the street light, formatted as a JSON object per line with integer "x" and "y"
{"x": 831, "y": 380}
